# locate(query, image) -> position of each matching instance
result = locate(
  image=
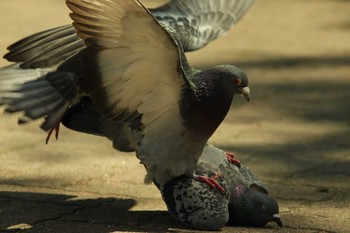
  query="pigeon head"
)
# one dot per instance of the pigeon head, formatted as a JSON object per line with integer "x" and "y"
{"x": 253, "y": 208}
{"x": 237, "y": 78}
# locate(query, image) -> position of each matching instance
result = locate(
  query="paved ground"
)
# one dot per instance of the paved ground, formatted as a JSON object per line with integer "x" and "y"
{"x": 295, "y": 133}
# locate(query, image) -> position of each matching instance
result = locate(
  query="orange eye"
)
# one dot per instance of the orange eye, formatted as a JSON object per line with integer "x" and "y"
{"x": 237, "y": 81}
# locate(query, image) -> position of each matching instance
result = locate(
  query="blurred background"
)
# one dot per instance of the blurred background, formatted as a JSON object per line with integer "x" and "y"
{"x": 295, "y": 132}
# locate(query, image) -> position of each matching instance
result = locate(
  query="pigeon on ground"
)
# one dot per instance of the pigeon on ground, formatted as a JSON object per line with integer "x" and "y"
{"x": 245, "y": 202}
{"x": 196, "y": 23}
{"x": 193, "y": 202}
{"x": 134, "y": 69}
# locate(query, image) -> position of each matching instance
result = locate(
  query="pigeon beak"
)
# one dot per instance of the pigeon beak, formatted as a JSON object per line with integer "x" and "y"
{"x": 276, "y": 218}
{"x": 246, "y": 93}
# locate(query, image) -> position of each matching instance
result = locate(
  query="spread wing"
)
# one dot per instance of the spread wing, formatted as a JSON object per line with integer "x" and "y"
{"x": 199, "y": 22}
{"x": 135, "y": 69}
{"x": 196, "y": 22}
{"x": 45, "y": 49}
{"x": 132, "y": 63}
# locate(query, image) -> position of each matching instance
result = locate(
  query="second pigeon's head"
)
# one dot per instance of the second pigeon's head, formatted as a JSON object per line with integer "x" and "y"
{"x": 254, "y": 208}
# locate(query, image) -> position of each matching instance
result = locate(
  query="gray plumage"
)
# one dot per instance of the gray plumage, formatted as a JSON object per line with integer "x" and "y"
{"x": 199, "y": 22}
{"x": 190, "y": 201}
{"x": 245, "y": 201}
{"x": 196, "y": 23}
{"x": 83, "y": 118}
{"x": 135, "y": 71}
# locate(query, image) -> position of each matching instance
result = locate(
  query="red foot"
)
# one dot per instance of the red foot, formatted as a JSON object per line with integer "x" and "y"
{"x": 56, "y": 129}
{"x": 211, "y": 182}
{"x": 231, "y": 159}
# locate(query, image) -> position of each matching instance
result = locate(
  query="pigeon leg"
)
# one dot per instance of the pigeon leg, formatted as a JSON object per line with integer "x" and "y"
{"x": 210, "y": 181}
{"x": 56, "y": 129}
{"x": 231, "y": 159}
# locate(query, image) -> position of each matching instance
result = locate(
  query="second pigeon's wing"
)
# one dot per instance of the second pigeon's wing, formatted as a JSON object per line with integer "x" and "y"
{"x": 195, "y": 204}
{"x": 199, "y": 22}
{"x": 253, "y": 180}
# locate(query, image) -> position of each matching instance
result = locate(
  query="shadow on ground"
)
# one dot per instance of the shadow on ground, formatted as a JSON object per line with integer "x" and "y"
{"x": 66, "y": 213}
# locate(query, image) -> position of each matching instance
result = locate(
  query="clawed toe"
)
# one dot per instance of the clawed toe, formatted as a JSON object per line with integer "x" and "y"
{"x": 230, "y": 157}
{"x": 56, "y": 129}
{"x": 211, "y": 181}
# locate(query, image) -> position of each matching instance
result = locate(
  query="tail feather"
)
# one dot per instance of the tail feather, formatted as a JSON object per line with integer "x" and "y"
{"x": 52, "y": 119}
{"x": 37, "y": 96}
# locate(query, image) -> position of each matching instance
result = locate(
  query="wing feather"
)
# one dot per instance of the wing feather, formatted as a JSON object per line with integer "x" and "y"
{"x": 199, "y": 22}
{"x": 134, "y": 54}
{"x": 134, "y": 70}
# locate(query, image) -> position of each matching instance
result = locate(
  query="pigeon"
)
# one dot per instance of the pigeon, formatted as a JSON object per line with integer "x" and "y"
{"x": 134, "y": 70}
{"x": 245, "y": 203}
{"x": 192, "y": 202}
{"x": 196, "y": 23}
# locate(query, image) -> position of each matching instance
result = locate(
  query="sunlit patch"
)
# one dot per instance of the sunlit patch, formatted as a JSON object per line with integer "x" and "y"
{"x": 21, "y": 226}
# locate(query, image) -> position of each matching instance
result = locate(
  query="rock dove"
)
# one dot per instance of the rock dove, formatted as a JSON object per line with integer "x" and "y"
{"x": 134, "y": 70}
{"x": 245, "y": 201}
{"x": 196, "y": 23}
{"x": 192, "y": 202}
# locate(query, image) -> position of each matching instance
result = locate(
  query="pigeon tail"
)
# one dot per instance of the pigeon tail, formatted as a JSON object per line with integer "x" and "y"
{"x": 46, "y": 96}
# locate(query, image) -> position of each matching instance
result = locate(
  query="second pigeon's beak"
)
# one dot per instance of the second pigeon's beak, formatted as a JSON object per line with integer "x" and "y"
{"x": 246, "y": 93}
{"x": 276, "y": 218}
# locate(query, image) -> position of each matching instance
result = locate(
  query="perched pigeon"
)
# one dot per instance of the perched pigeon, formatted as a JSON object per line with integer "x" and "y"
{"x": 135, "y": 72}
{"x": 196, "y": 23}
{"x": 245, "y": 201}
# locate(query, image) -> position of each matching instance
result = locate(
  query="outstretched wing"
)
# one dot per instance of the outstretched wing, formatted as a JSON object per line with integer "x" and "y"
{"x": 196, "y": 22}
{"x": 134, "y": 69}
{"x": 199, "y": 22}
{"x": 45, "y": 49}
{"x": 132, "y": 63}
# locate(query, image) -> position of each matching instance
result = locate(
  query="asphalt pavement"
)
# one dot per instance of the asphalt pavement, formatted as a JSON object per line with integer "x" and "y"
{"x": 295, "y": 132}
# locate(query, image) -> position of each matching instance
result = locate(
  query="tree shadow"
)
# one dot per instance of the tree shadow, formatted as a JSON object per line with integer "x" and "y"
{"x": 44, "y": 212}
{"x": 314, "y": 101}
